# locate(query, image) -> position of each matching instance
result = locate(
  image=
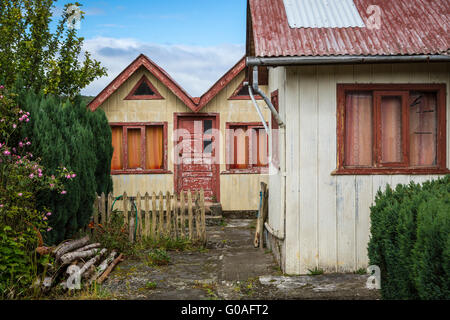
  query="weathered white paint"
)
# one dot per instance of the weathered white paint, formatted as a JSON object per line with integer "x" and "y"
{"x": 328, "y": 217}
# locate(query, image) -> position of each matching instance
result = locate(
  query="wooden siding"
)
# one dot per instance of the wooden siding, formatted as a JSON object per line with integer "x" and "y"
{"x": 328, "y": 217}
{"x": 238, "y": 192}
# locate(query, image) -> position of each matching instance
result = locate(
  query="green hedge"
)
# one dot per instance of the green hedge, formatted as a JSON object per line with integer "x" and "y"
{"x": 65, "y": 133}
{"x": 410, "y": 241}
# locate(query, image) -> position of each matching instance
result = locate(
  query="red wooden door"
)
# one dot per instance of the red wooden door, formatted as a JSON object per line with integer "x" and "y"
{"x": 196, "y": 166}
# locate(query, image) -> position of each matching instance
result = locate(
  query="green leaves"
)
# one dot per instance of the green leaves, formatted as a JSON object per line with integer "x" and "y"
{"x": 42, "y": 59}
{"x": 410, "y": 229}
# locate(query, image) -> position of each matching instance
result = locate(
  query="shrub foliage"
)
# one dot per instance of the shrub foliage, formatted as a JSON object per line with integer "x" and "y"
{"x": 66, "y": 133}
{"x": 410, "y": 240}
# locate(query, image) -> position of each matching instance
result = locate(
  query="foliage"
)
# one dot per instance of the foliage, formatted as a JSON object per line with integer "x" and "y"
{"x": 43, "y": 59}
{"x": 22, "y": 178}
{"x": 410, "y": 231}
{"x": 66, "y": 133}
{"x": 315, "y": 272}
{"x": 158, "y": 257}
{"x": 115, "y": 236}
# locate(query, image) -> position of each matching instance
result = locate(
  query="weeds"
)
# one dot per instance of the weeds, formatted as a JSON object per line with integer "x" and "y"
{"x": 315, "y": 272}
{"x": 158, "y": 257}
{"x": 361, "y": 271}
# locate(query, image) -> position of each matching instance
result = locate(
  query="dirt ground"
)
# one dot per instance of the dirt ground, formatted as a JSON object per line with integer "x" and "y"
{"x": 229, "y": 269}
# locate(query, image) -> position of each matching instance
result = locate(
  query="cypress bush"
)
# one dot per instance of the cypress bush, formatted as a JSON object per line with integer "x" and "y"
{"x": 410, "y": 240}
{"x": 67, "y": 133}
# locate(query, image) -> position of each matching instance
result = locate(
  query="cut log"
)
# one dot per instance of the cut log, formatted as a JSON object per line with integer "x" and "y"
{"x": 92, "y": 262}
{"x": 109, "y": 269}
{"x": 70, "y": 246}
{"x": 71, "y": 256}
{"x": 102, "y": 267}
{"x": 90, "y": 246}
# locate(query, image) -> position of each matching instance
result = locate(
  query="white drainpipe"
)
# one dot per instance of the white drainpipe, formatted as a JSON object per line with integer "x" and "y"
{"x": 279, "y": 234}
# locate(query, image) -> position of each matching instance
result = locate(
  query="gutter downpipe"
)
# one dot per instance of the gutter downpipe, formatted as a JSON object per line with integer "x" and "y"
{"x": 250, "y": 91}
{"x": 279, "y": 234}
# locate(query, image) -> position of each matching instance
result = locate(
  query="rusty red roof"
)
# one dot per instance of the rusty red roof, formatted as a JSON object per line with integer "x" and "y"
{"x": 193, "y": 103}
{"x": 408, "y": 27}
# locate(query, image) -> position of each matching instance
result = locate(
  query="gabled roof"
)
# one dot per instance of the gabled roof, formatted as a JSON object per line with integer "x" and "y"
{"x": 408, "y": 27}
{"x": 193, "y": 103}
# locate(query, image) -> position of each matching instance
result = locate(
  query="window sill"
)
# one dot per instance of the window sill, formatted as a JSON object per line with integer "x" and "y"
{"x": 389, "y": 171}
{"x": 135, "y": 172}
{"x": 246, "y": 171}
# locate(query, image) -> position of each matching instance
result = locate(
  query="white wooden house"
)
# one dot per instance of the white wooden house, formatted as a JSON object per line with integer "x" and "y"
{"x": 361, "y": 88}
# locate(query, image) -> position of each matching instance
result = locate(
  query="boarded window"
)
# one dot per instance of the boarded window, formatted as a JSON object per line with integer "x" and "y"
{"x": 248, "y": 147}
{"x": 143, "y": 150}
{"x": 391, "y": 129}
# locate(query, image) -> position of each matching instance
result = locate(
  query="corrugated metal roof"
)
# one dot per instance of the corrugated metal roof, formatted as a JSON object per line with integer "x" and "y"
{"x": 322, "y": 14}
{"x": 408, "y": 27}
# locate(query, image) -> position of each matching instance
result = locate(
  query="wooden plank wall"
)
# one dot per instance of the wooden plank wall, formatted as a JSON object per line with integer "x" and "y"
{"x": 328, "y": 217}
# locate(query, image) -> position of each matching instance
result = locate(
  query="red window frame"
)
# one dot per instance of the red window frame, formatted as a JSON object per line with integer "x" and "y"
{"x": 140, "y": 125}
{"x": 155, "y": 96}
{"x": 251, "y": 168}
{"x": 235, "y": 96}
{"x": 403, "y": 167}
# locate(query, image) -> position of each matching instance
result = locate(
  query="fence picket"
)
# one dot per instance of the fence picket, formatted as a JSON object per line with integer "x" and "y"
{"x": 175, "y": 215}
{"x": 202, "y": 215}
{"x": 125, "y": 208}
{"x": 190, "y": 214}
{"x": 154, "y": 215}
{"x": 161, "y": 215}
{"x": 103, "y": 209}
{"x": 182, "y": 215}
{"x": 147, "y": 214}
{"x": 168, "y": 214}
{"x": 109, "y": 209}
{"x": 139, "y": 216}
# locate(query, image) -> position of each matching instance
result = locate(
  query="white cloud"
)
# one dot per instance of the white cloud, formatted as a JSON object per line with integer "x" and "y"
{"x": 195, "y": 68}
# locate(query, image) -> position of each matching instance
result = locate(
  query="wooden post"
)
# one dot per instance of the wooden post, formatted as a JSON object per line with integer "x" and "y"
{"x": 264, "y": 212}
{"x": 154, "y": 216}
{"x": 161, "y": 215}
{"x": 96, "y": 206}
{"x": 125, "y": 208}
{"x": 168, "y": 214}
{"x": 203, "y": 217}
{"x": 132, "y": 222}
{"x": 175, "y": 214}
{"x": 139, "y": 214}
{"x": 182, "y": 215}
{"x": 147, "y": 214}
{"x": 109, "y": 209}
{"x": 198, "y": 227}
{"x": 103, "y": 209}
{"x": 190, "y": 214}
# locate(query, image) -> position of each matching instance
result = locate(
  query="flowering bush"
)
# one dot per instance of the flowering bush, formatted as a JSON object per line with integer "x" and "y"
{"x": 21, "y": 179}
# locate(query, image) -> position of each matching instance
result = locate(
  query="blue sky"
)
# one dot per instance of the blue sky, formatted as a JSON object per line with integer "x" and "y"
{"x": 196, "y": 41}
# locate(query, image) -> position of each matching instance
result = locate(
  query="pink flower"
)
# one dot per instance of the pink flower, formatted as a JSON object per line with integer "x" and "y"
{"x": 49, "y": 214}
{"x": 28, "y": 143}
{"x": 21, "y": 144}
{"x": 31, "y": 176}
{"x": 51, "y": 185}
{"x": 1, "y": 87}
{"x": 73, "y": 175}
{"x": 40, "y": 175}
{"x": 1, "y": 206}
{"x": 49, "y": 229}
{"x": 63, "y": 192}
{"x": 14, "y": 125}
{"x": 20, "y": 194}
{"x": 6, "y": 152}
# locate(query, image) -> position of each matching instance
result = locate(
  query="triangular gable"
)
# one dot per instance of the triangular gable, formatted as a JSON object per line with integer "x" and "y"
{"x": 241, "y": 93}
{"x": 195, "y": 104}
{"x": 144, "y": 90}
{"x": 153, "y": 68}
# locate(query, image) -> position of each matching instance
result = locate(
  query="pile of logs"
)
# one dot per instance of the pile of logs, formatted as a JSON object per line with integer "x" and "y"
{"x": 78, "y": 261}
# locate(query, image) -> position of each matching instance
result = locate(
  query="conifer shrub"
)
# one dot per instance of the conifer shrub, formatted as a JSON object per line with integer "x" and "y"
{"x": 67, "y": 133}
{"x": 410, "y": 240}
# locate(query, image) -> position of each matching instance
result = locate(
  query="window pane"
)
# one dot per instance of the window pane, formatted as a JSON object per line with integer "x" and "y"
{"x": 262, "y": 148}
{"x": 391, "y": 129}
{"x": 207, "y": 126}
{"x": 117, "y": 143}
{"x": 423, "y": 129}
{"x": 240, "y": 148}
{"x": 134, "y": 148}
{"x": 144, "y": 90}
{"x": 358, "y": 129}
{"x": 207, "y": 146}
{"x": 154, "y": 149}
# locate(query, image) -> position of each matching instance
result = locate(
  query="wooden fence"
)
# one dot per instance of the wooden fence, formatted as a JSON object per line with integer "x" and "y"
{"x": 176, "y": 216}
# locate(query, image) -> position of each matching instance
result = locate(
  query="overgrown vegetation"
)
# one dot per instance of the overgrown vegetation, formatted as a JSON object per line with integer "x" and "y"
{"x": 66, "y": 133}
{"x": 315, "y": 272}
{"x": 410, "y": 241}
{"x": 158, "y": 257}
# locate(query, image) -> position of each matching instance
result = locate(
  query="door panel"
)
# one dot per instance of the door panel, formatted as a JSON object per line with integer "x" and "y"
{"x": 196, "y": 169}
